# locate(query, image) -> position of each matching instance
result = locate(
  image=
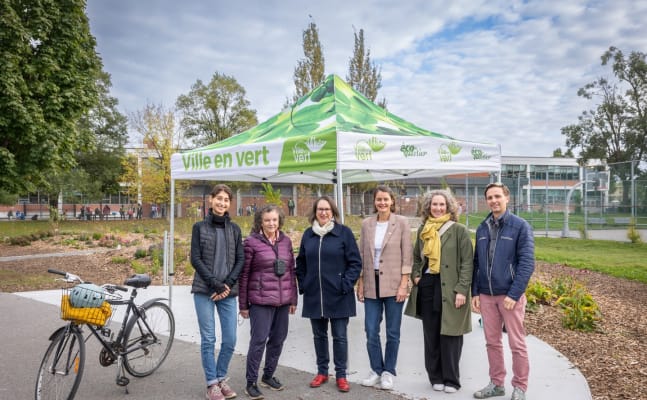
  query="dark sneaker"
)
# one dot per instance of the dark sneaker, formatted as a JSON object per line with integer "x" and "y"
{"x": 490, "y": 390}
{"x": 253, "y": 392}
{"x": 271, "y": 383}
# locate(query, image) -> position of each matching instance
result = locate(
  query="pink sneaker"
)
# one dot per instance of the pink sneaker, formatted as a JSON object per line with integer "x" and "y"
{"x": 226, "y": 390}
{"x": 214, "y": 393}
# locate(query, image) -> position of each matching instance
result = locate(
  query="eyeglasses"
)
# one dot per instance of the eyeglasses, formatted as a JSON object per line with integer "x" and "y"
{"x": 323, "y": 210}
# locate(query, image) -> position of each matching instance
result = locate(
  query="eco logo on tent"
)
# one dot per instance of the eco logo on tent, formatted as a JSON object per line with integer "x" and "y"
{"x": 302, "y": 150}
{"x": 478, "y": 154}
{"x": 410, "y": 150}
{"x": 364, "y": 148}
{"x": 446, "y": 151}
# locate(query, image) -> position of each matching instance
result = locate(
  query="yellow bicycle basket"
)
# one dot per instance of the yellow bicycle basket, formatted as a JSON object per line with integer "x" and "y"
{"x": 85, "y": 315}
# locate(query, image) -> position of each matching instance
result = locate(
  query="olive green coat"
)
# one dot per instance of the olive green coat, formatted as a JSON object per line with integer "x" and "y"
{"x": 456, "y": 266}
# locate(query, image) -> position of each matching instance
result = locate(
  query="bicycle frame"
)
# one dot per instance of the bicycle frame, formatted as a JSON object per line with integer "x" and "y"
{"x": 132, "y": 311}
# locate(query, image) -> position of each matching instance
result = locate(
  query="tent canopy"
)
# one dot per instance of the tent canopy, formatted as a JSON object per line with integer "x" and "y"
{"x": 334, "y": 129}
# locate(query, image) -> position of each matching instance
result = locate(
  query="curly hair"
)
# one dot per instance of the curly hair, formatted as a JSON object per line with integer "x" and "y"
{"x": 258, "y": 217}
{"x": 452, "y": 204}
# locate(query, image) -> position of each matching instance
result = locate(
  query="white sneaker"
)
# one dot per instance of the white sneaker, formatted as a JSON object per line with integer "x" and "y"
{"x": 439, "y": 387}
{"x": 386, "y": 382}
{"x": 372, "y": 379}
{"x": 450, "y": 389}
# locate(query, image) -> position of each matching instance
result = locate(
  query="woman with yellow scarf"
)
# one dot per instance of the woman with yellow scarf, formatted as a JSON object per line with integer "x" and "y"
{"x": 440, "y": 297}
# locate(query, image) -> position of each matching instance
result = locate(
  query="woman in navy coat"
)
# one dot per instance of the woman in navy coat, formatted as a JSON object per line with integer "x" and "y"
{"x": 328, "y": 265}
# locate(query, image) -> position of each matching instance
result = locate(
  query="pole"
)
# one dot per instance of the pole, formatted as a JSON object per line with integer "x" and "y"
{"x": 171, "y": 271}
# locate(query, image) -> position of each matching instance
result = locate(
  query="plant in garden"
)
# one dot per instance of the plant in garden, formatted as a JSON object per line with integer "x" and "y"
{"x": 632, "y": 234}
{"x": 581, "y": 311}
{"x": 141, "y": 253}
{"x": 537, "y": 294}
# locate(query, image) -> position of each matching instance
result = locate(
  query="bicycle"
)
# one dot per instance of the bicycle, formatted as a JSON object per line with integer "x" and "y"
{"x": 141, "y": 345}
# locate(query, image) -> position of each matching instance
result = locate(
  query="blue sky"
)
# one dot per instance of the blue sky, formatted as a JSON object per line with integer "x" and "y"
{"x": 502, "y": 72}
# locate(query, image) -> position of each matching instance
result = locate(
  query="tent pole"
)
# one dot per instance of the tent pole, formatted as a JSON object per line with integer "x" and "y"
{"x": 340, "y": 195}
{"x": 171, "y": 269}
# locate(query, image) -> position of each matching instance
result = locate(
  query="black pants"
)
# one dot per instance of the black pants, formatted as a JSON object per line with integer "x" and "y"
{"x": 442, "y": 352}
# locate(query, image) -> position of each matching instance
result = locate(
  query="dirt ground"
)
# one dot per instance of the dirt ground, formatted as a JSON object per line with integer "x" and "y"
{"x": 613, "y": 360}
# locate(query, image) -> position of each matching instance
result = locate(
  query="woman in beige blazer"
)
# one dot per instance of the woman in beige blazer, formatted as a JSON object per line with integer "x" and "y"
{"x": 387, "y": 253}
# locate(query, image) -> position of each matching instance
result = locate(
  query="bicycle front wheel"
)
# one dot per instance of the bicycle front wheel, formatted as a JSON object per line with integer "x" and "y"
{"x": 148, "y": 339}
{"x": 61, "y": 370}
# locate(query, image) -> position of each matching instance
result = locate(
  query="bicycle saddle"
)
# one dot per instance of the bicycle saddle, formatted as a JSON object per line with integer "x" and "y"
{"x": 138, "y": 281}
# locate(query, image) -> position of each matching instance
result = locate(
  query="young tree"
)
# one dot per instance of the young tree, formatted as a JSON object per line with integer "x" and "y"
{"x": 363, "y": 75}
{"x": 309, "y": 71}
{"x": 48, "y": 68}
{"x": 213, "y": 112}
{"x": 149, "y": 172}
{"x": 616, "y": 130}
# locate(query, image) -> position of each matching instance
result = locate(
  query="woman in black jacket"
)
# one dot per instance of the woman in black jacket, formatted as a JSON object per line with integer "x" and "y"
{"x": 217, "y": 255}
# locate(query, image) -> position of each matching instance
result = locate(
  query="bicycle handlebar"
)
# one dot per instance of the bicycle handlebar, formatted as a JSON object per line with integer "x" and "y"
{"x": 69, "y": 277}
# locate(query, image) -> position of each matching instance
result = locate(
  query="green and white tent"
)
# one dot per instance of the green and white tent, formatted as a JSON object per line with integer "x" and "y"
{"x": 333, "y": 135}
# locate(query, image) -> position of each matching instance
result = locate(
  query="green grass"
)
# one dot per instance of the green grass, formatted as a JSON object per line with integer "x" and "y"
{"x": 619, "y": 259}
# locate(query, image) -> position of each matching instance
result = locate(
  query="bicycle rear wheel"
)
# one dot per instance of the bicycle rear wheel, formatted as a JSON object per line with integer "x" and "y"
{"x": 61, "y": 370}
{"x": 149, "y": 339}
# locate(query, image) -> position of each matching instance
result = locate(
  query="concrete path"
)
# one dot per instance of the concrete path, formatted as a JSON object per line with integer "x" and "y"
{"x": 552, "y": 376}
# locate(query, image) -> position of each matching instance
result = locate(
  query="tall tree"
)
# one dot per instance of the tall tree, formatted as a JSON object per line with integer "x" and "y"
{"x": 309, "y": 71}
{"x": 109, "y": 129}
{"x": 363, "y": 75}
{"x": 149, "y": 172}
{"x": 48, "y": 68}
{"x": 213, "y": 112}
{"x": 616, "y": 130}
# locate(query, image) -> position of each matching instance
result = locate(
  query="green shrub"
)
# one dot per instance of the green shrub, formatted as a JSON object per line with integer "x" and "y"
{"x": 138, "y": 267}
{"x": 141, "y": 253}
{"x": 120, "y": 260}
{"x": 97, "y": 235}
{"x": 562, "y": 285}
{"x": 581, "y": 312}
{"x": 20, "y": 240}
{"x": 83, "y": 237}
{"x": 633, "y": 234}
{"x": 537, "y": 294}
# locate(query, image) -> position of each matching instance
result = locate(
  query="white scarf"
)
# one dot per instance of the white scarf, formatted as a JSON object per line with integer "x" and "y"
{"x": 322, "y": 230}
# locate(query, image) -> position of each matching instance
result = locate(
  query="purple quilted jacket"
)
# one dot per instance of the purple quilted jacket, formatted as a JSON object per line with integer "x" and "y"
{"x": 258, "y": 284}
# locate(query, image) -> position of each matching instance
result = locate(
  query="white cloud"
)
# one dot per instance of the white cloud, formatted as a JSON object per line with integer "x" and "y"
{"x": 496, "y": 71}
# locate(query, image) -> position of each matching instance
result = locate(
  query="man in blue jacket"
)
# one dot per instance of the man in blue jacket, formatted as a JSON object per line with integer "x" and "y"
{"x": 504, "y": 260}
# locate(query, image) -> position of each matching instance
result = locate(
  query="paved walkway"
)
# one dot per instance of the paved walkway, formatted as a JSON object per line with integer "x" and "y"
{"x": 552, "y": 375}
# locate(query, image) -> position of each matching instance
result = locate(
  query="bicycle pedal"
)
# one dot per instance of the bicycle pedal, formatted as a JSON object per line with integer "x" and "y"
{"x": 123, "y": 381}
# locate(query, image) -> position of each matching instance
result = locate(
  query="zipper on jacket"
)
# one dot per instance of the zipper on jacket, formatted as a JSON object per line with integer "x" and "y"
{"x": 491, "y": 266}
{"x": 320, "y": 283}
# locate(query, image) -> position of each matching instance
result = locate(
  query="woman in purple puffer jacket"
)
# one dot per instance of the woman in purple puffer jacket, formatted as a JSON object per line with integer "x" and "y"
{"x": 267, "y": 295}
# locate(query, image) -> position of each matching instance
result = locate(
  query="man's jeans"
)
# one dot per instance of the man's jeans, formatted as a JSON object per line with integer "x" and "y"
{"x": 373, "y": 311}
{"x": 227, "y": 314}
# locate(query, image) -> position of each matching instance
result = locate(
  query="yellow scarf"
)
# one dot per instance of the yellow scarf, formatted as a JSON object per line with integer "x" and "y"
{"x": 431, "y": 241}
